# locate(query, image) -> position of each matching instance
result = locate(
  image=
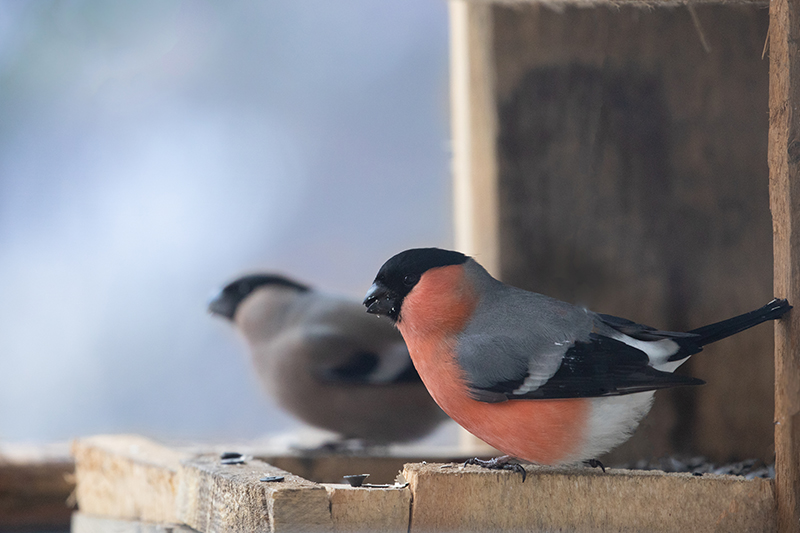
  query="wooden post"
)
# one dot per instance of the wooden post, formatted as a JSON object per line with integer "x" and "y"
{"x": 474, "y": 132}
{"x": 784, "y": 180}
{"x": 213, "y": 497}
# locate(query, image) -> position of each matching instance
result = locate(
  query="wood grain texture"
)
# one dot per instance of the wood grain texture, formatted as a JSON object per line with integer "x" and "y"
{"x": 473, "y": 499}
{"x": 632, "y": 179}
{"x": 364, "y": 509}
{"x": 126, "y": 476}
{"x": 474, "y": 129}
{"x": 784, "y": 174}
{"x": 230, "y": 498}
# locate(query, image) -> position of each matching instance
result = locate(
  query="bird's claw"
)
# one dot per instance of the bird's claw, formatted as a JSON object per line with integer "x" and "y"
{"x": 594, "y": 463}
{"x": 498, "y": 463}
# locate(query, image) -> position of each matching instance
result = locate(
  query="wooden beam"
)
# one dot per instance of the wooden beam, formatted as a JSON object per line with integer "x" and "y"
{"x": 227, "y": 498}
{"x": 369, "y": 508}
{"x": 458, "y": 498}
{"x": 136, "y": 481}
{"x": 474, "y": 133}
{"x": 784, "y": 180}
{"x": 127, "y": 476}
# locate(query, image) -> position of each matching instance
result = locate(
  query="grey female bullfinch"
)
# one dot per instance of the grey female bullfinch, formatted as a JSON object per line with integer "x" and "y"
{"x": 327, "y": 362}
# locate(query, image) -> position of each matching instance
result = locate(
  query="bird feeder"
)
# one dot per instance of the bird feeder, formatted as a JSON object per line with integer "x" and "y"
{"x": 641, "y": 158}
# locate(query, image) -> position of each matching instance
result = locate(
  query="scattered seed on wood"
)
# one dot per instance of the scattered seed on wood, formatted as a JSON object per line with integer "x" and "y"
{"x": 749, "y": 468}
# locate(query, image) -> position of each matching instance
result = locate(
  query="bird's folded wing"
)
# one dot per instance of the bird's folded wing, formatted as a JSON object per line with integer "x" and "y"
{"x": 344, "y": 359}
{"x": 598, "y": 366}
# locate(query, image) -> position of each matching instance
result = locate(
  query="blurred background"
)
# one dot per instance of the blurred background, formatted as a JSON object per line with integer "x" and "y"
{"x": 151, "y": 151}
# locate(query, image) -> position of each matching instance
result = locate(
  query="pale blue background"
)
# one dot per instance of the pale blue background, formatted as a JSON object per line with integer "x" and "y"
{"x": 151, "y": 150}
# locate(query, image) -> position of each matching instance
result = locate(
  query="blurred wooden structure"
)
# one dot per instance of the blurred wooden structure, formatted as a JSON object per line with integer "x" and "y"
{"x": 625, "y": 155}
{"x": 35, "y": 484}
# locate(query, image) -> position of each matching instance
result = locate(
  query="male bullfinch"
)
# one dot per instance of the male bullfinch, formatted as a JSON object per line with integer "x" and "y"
{"x": 537, "y": 378}
{"x": 327, "y": 362}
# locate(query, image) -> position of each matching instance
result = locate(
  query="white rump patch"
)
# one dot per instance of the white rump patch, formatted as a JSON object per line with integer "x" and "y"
{"x": 658, "y": 351}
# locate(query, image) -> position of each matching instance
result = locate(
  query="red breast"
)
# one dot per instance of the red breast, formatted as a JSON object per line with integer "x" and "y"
{"x": 432, "y": 316}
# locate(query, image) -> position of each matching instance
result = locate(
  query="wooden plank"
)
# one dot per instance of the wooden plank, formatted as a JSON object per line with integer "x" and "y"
{"x": 474, "y": 129}
{"x": 473, "y": 499}
{"x": 784, "y": 168}
{"x": 369, "y": 508}
{"x": 84, "y": 523}
{"x": 230, "y": 498}
{"x": 632, "y": 180}
{"x": 127, "y": 476}
{"x": 35, "y": 485}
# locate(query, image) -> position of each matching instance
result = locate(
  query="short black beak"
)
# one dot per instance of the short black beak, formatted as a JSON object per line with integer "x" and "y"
{"x": 381, "y": 301}
{"x": 222, "y": 306}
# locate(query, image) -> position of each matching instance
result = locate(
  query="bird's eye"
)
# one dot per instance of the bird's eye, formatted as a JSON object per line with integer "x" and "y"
{"x": 410, "y": 280}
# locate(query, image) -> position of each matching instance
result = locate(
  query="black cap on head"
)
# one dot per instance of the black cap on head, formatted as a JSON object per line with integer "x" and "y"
{"x": 401, "y": 273}
{"x": 234, "y": 293}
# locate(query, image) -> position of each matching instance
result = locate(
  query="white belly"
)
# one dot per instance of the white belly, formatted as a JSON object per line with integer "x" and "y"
{"x": 612, "y": 420}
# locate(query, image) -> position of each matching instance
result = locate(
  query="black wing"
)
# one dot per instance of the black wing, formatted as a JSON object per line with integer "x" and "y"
{"x": 640, "y": 331}
{"x": 360, "y": 369}
{"x": 601, "y": 366}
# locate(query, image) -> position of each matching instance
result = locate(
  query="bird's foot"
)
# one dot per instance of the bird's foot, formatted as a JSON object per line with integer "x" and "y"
{"x": 498, "y": 463}
{"x": 594, "y": 463}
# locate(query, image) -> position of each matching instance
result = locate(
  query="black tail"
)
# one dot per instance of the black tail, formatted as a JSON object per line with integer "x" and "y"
{"x": 719, "y": 330}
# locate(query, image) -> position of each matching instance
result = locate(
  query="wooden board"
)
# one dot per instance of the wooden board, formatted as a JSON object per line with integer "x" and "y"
{"x": 784, "y": 167}
{"x": 473, "y": 499}
{"x": 475, "y": 202}
{"x": 210, "y": 496}
{"x": 369, "y": 509}
{"x": 230, "y": 498}
{"x": 126, "y": 476}
{"x": 135, "y": 480}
